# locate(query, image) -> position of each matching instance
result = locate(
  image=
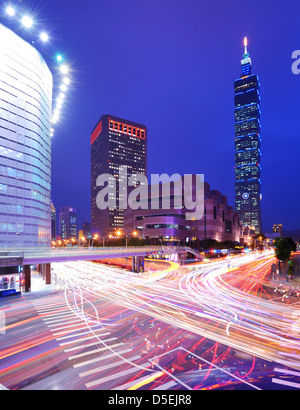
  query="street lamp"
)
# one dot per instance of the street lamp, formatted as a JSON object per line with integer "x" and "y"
{"x": 96, "y": 236}
{"x": 120, "y": 233}
{"x": 81, "y": 239}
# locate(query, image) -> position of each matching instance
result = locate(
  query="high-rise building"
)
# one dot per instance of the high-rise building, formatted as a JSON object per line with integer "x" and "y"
{"x": 248, "y": 145}
{"x": 87, "y": 230}
{"x": 115, "y": 142}
{"x": 67, "y": 222}
{"x": 53, "y": 222}
{"x": 277, "y": 228}
{"x": 25, "y": 144}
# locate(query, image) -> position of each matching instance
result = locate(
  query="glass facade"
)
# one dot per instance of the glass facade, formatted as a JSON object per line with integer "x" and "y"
{"x": 114, "y": 143}
{"x": 248, "y": 146}
{"x": 67, "y": 222}
{"x": 25, "y": 144}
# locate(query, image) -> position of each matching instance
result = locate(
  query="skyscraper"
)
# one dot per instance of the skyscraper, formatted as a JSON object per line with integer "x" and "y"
{"x": 67, "y": 222}
{"x": 248, "y": 145}
{"x": 25, "y": 144}
{"x": 115, "y": 142}
{"x": 53, "y": 222}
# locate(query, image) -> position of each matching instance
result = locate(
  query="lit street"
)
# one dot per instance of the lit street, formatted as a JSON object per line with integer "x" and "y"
{"x": 199, "y": 327}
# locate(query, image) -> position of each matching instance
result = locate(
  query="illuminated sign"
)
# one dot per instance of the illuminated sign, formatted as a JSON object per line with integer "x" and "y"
{"x": 127, "y": 129}
{"x": 96, "y": 133}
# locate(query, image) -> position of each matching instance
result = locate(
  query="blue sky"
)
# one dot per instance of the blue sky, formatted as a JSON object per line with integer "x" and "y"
{"x": 171, "y": 65}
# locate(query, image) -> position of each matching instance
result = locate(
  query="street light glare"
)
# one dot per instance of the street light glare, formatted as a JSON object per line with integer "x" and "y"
{"x": 10, "y": 11}
{"x": 27, "y": 21}
{"x": 64, "y": 69}
{"x": 44, "y": 37}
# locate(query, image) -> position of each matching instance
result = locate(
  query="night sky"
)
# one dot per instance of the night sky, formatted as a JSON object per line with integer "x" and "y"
{"x": 171, "y": 65}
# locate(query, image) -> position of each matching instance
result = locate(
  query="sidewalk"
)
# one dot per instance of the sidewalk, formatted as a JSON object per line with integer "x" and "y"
{"x": 39, "y": 287}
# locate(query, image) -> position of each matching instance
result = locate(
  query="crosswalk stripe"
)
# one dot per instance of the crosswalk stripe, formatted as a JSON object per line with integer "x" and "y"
{"x": 90, "y": 344}
{"x": 72, "y": 321}
{"x": 78, "y": 323}
{"x": 57, "y": 320}
{"x": 107, "y": 366}
{"x": 56, "y": 315}
{"x": 87, "y": 331}
{"x": 165, "y": 386}
{"x": 92, "y": 336}
{"x": 101, "y": 349}
{"x": 293, "y": 373}
{"x": 115, "y": 376}
{"x": 70, "y": 330}
{"x": 286, "y": 383}
{"x": 131, "y": 383}
{"x": 98, "y": 359}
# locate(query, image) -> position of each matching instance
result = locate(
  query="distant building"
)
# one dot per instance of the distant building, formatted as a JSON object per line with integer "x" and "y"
{"x": 86, "y": 230}
{"x": 67, "y": 222}
{"x": 53, "y": 222}
{"x": 248, "y": 146}
{"x": 115, "y": 142}
{"x": 220, "y": 221}
{"x": 277, "y": 228}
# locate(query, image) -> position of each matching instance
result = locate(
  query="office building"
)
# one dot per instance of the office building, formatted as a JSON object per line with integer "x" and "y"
{"x": 53, "y": 222}
{"x": 25, "y": 145}
{"x": 248, "y": 145}
{"x": 170, "y": 226}
{"x": 67, "y": 222}
{"x": 87, "y": 230}
{"x": 115, "y": 142}
{"x": 277, "y": 228}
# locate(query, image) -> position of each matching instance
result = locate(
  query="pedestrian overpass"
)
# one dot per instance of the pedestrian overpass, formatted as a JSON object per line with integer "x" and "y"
{"x": 43, "y": 257}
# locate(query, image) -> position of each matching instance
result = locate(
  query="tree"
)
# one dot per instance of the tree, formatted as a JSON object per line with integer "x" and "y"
{"x": 292, "y": 244}
{"x": 283, "y": 249}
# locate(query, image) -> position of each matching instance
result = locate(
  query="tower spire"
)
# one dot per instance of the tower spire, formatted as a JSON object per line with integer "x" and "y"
{"x": 246, "y": 46}
{"x": 246, "y": 62}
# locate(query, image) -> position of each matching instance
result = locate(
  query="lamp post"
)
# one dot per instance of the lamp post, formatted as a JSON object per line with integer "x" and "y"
{"x": 120, "y": 233}
{"x": 96, "y": 236}
{"x": 81, "y": 239}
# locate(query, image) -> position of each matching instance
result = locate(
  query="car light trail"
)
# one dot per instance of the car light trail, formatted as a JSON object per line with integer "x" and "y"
{"x": 209, "y": 301}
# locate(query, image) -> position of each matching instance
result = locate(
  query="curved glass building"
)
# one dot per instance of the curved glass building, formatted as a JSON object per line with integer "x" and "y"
{"x": 25, "y": 144}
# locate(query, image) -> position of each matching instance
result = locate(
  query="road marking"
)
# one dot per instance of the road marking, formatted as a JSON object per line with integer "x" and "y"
{"x": 87, "y": 331}
{"x": 78, "y": 321}
{"x": 58, "y": 320}
{"x": 82, "y": 326}
{"x": 287, "y": 371}
{"x": 286, "y": 383}
{"x": 98, "y": 359}
{"x": 115, "y": 376}
{"x": 132, "y": 383}
{"x": 108, "y": 366}
{"x": 92, "y": 336}
{"x": 101, "y": 349}
{"x": 90, "y": 344}
{"x": 289, "y": 363}
{"x": 165, "y": 386}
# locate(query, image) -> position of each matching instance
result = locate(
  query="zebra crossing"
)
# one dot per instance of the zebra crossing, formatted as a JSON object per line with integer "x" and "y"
{"x": 94, "y": 353}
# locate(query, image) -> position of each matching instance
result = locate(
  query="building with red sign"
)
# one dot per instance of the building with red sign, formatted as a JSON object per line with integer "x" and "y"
{"x": 115, "y": 142}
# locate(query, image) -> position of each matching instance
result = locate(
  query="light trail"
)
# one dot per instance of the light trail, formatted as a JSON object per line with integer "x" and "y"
{"x": 207, "y": 300}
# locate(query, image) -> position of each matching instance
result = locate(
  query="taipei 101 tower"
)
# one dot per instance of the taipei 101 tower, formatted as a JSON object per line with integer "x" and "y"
{"x": 248, "y": 145}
